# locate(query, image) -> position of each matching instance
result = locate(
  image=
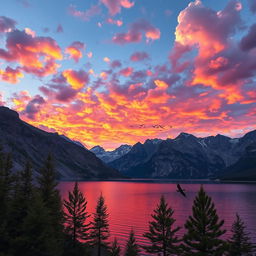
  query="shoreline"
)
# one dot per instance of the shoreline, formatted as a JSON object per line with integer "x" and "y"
{"x": 170, "y": 181}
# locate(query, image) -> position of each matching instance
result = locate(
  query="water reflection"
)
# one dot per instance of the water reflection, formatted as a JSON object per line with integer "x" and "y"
{"x": 130, "y": 204}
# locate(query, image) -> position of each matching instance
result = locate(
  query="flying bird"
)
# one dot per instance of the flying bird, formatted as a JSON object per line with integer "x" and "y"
{"x": 181, "y": 190}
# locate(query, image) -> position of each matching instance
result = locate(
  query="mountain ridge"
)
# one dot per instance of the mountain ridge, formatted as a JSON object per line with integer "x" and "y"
{"x": 25, "y": 141}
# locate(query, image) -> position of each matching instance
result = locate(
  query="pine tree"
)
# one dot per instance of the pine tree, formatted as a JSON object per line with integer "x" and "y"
{"x": 240, "y": 243}
{"x": 115, "y": 249}
{"x": 132, "y": 248}
{"x": 203, "y": 235}
{"x": 76, "y": 216}
{"x": 19, "y": 205}
{"x": 100, "y": 226}
{"x": 162, "y": 234}
{"x": 6, "y": 187}
{"x": 51, "y": 198}
{"x": 38, "y": 237}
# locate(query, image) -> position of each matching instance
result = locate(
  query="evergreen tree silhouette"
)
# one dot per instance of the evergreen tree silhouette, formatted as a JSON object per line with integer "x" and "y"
{"x": 6, "y": 187}
{"x": 114, "y": 249}
{"x": 19, "y": 206}
{"x": 240, "y": 243}
{"x": 38, "y": 237}
{"x": 162, "y": 233}
{"x": 52, "y": 200}
{"x": 203, "y": 235}
{"x": 100, "y": 226}
{"x": 132, "y": 248}
{"x": 76, "y": 216}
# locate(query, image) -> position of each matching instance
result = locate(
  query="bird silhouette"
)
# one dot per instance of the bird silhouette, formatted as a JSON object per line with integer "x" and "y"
{"x": 181, "y": 190}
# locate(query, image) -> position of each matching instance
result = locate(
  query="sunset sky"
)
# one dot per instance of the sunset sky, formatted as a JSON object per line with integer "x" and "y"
{"x": 109, "y": 72}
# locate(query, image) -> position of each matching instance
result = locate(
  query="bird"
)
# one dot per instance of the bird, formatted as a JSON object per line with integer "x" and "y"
{"x": 180, "y": 190}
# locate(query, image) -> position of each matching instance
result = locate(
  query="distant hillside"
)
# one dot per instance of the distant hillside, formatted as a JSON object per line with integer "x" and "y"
{"x": 244, "y": 168}
{"x": 185, "y": 157}
{"x": 72, "y": 161}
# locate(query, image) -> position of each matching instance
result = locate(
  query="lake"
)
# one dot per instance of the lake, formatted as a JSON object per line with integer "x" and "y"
{"x": 130, "y": 203}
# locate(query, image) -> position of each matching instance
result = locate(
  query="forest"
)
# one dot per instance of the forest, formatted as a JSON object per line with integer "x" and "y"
{"x": 36, "y": 221}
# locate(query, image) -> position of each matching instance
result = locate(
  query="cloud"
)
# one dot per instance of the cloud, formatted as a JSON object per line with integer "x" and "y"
{"x": 126, "y": 71}
{"x": 106, "y": 59}
{"x": 36, "y": 55}
{"x": 114, "y": 6}
{"x": 210, "y": 29}
{"x": 34, "y": 106}
{"x": 7, "y": 24}
{"x": 84, "y": 15}
{"x": 2, "y": 102}
{"x": 218, "y": 61}
{"x": 116, "y": 64}
{"x": 136, "y": 32}
{"x": 248, "y": 42}
{"x": 118, "y": 23}
{"x": 139, "y": 56}
{"x": 59, "y": 29}
{"x": 11, "y": 75}
{"x": 77, "y": 79}
{"x": 252, "y": 5}
{"x": 75, "y": 50}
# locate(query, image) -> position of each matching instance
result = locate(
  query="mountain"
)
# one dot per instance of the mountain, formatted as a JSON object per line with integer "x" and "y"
{"x": 108, "y": 156}
{"x": 245, "y": 168}
{"x": 72, "y": 161}
{"x": 73, "y": 141}
{"x": 184, "y": 157}
{"x": 138, "y": 154}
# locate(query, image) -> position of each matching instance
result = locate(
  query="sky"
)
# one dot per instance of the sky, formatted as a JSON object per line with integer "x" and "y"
{"x": 112, "y": 72}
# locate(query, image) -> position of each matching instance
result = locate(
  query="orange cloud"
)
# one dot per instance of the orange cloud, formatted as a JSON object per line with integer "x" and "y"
{"x": 11, "y": 75}
{"x": 77, "y": 79}
{"x": 36, "y": 55}
{"x": 75, "y": 50}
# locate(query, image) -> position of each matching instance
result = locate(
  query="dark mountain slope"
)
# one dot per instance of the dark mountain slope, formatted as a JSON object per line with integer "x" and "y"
{"x": 27, "y": 142}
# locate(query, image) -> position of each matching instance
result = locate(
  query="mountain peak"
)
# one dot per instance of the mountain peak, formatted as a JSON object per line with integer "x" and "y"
{"x": 184, "y": 135}
{"x": 97, "y": 150}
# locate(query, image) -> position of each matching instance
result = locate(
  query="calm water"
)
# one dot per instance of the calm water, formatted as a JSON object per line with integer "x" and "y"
{"x": 131, "y": 203}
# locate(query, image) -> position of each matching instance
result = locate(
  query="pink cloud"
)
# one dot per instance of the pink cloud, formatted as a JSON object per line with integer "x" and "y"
{"x": 118, "y": 23}
{"x": 116, "y": 64}
{"x": 11, "y": 75}
{"x": 218, "y": 62}
{"x": 77, "y": 79}
{"x": 139, "y": 56}
{"x": 126, "y": 71}
{"x": 34, "y": 106}
{"x": 75, "y": 50}
{"x": 36, "y": 55}
{"x": 136, "y": 32}
{"x": 6, "y": 24}
{"x": 114, "y": 6}
{"x": 84, "y": 15}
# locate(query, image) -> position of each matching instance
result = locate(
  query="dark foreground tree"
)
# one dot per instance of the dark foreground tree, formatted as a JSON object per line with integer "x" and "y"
{"x": 240, "y": 243}
{"x": 38, "y": 237}
{"x": 6, "y": 186}
{"x": 100, "y": 226}
{"x": 114, "y": 249}
{"x": 162, "y": 233}
{"x": 76, "y": 216}
{"x": 51, "y": 198}
{"x": 203, "y": 235}
{"x": 22, "y": 196}
{"x": 132, "y": 248}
